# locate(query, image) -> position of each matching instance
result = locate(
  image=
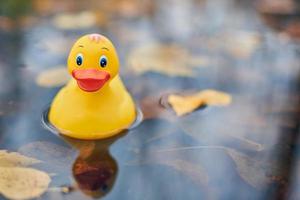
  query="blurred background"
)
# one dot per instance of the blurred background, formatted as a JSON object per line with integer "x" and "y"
{"x": 247, "y": 49}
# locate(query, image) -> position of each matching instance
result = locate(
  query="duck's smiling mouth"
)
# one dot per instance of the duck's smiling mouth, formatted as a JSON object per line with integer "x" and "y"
{"x": 90, "y": 80}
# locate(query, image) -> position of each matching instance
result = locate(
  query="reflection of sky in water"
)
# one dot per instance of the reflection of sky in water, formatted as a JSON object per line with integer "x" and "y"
{"x": 262, "y": 84}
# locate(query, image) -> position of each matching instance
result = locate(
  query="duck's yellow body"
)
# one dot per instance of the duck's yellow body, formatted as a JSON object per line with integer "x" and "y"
{"x": 94, "y": 104}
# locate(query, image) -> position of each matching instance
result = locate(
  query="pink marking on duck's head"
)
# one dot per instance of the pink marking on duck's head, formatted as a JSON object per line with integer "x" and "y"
{"x": 95, "y": 37}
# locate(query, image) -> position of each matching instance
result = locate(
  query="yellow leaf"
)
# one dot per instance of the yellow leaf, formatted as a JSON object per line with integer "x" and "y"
{"x": 14, "y": 159}
{"x": 72, "y": 21}
{"x": 171, "y": 60}
{"x": 243, "y": 43}
{"x": 186, "y": 104}
{"x": 22, "y": 183}
{"x": 54, "y": 77}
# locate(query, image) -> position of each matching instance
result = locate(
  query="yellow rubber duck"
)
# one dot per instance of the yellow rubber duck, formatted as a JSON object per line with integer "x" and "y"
{"x": 94, "y": 104}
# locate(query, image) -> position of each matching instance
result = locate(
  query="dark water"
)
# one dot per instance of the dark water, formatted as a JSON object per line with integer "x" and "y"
{"x": 247, "y": 150}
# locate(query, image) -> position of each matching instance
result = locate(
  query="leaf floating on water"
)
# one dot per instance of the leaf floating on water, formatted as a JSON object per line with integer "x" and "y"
{"x": 293, "y": 29}
{"x": 14, "y": 159}
{"x": 251, "y": 170}
{"x": 186, "y": 104}
{"x": 279, "y": 7}
{"x": 59, "y": 156}
{"x": 17, "y": 182}
{"x": 242, "y": 44}
{"x": 75, "y": 21}
{"x": 6, "y": 23}
{"x": 54, "y": 77}
{"x": 160, "y": 58}
{"x": 23, "y": 183}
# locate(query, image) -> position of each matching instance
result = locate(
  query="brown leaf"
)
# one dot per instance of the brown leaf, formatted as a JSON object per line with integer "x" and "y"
{"x": 23, "y": 183}
{"x": 276, "y": 6}
{"x": 6, "y": 23}
{"x": 13, "y": 159}
{"x": 293, "y": 29}
{"x": 183, "y": 105}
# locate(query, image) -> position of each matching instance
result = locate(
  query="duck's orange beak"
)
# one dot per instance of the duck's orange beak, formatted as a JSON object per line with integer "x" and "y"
{"x": 90, "y": 80}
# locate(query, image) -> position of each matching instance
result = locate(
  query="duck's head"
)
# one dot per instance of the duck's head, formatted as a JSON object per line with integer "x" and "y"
{"x": 93, "y": 62}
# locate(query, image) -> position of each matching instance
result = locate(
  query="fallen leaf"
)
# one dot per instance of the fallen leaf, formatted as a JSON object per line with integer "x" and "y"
{"x": 60, "y": 156}
{"x": 193, "y": 171}
{"x": 293, "y": 29}
{"x": 28, "y": 21}
{"x": 160, "y": 58}
{"x": 23, "y": 183}
{"x": 250, "y": 170}
{"x": 6, "y": 23}
{"x": 73, "y": 21}
{"x": 186, "y": 104}
{"x": 242, "y": 44}
{"x": 129, "y": 9}
{"x": 14, "y": 159}
{"x": 57, "y": 159}
{"x": 53, "y": 77}
{"x": 239, "y": 126}
{"x": 256, "y": 173}
{"x": 276, "y": 6}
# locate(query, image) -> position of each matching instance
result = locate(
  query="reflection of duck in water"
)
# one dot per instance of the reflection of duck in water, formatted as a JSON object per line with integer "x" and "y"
{"x": 94, "y": 169}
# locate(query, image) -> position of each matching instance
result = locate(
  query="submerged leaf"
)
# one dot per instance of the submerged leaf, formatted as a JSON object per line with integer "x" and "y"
{"x": 53, "y": 154}
{"x": 193, "y": 171}
{"x": 251, "y": 170}
{"x": 13, "y": 159}
{"x": 54, "y": 77}
{"x": 160, "y": 58}
{"x": 23, "y": 183}
{"x": 186, "y": 104}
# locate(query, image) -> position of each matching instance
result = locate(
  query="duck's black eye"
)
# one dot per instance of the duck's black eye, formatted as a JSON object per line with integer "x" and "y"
{"x": 79, "y": 59}
{"x": 103, "y": 61}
